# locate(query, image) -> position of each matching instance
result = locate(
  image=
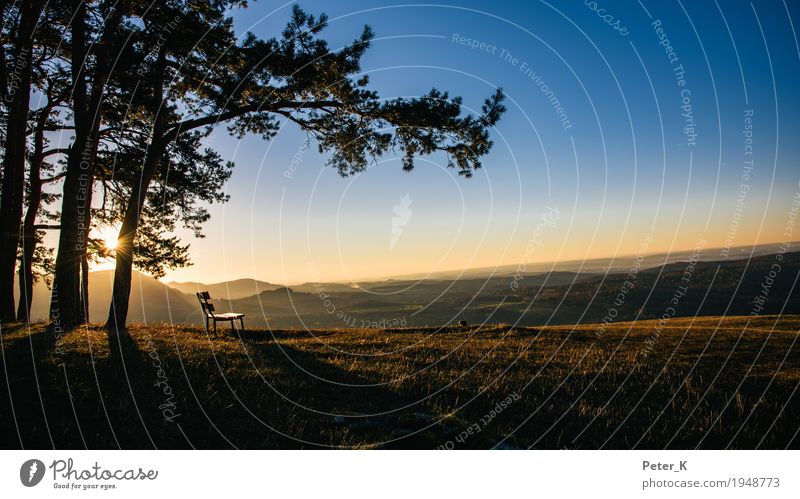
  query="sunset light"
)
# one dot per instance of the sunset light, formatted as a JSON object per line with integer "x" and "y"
{"x": 460, "y": 225}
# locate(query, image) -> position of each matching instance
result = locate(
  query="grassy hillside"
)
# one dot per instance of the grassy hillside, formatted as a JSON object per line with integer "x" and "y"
{"x": 708, "y": 382}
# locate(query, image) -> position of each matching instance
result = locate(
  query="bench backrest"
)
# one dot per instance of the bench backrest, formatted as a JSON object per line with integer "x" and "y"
{"x": 207, "y": 308}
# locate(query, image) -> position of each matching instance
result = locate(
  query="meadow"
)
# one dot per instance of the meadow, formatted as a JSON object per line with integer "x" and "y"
{"x": 706, "y": 382}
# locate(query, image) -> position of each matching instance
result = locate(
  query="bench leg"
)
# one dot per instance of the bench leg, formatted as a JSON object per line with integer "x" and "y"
{"x": 241, "y": 321}
{"x": 215, "y": 326}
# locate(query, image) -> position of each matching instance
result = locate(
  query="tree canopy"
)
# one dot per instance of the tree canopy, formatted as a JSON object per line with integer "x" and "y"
{"x": 149, "y": 81}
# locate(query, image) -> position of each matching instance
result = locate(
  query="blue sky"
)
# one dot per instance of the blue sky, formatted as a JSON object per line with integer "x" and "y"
{"x": 621, "y": 171}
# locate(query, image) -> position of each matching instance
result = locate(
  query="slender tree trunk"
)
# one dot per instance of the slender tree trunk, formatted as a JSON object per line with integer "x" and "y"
{"x": 29, "y": 225}
{"x": 84, "y": 257}
{"x": 118, "y": 311}
{"x": 85, "y": 288}
{"x": 11, "y": 203}
{"x": 66, "y": 300}
{"x": 75, "y": 223}
{"x": 123, "y": 270}
{"x": 28, "y": 250}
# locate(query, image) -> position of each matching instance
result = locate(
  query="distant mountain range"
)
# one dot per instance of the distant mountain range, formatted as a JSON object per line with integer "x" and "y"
{"x": 605, "y": 265}
{"x": 559, "y": 297}
{"x": 231, "y": 290}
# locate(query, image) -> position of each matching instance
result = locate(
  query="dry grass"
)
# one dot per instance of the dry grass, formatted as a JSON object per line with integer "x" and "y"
{"x": 707, "y": 382}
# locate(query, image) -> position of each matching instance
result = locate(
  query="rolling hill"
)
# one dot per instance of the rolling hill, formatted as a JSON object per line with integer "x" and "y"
{"x": 727, "y": 287}
{"x": 151, "y": 300}
{"x": 231, "y": 290}
{"x": 714, "y": 288}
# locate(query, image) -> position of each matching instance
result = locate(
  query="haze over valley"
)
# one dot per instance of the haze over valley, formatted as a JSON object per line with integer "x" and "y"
{"x": 536, "y": 296}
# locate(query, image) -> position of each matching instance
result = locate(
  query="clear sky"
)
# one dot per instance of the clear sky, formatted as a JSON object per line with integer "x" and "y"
{"x": 601, "y": 125}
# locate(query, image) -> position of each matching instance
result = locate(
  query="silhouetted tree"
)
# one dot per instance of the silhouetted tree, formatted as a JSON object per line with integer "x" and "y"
{"x": 147, "y": 81}
{"x": 97, "y": 36}
{"x": 31, "y": 253}
{"x": 16, "y": 89}
{"x": 189, "y": 176}
{"x": 196, "y": 84}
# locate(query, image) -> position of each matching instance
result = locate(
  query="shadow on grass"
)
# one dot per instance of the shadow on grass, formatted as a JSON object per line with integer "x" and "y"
{"x": 175, "y": 387}
{"x": 22, "y": 414}
{"x": 76, "y": 390}
{"x": 342, "y": 402}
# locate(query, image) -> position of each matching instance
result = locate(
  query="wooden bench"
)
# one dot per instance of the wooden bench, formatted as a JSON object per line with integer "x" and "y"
{"x": 208, "y": 310}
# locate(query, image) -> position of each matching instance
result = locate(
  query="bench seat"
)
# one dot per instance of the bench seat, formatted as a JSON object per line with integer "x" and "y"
{"x": 212, "y": 317}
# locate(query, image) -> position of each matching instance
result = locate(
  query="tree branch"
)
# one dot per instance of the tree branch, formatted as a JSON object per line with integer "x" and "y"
{"x": 54, "y": 178}
{"x": 275, "y": 107}
{"x": 51, "y": 152}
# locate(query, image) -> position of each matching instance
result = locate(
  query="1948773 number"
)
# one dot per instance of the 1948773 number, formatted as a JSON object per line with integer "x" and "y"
{"x": 757, "y": 482}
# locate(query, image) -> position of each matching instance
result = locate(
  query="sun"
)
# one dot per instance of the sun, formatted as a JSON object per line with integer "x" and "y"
{"x": 108, "y": 235}
{"x": 111, "y": 243}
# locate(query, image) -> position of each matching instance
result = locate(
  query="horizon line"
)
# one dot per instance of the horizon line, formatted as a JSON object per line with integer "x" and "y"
{"x": 474, "y": 269}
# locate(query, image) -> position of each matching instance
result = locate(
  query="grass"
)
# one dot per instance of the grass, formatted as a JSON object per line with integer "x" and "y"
{"x": 708, "y": 382}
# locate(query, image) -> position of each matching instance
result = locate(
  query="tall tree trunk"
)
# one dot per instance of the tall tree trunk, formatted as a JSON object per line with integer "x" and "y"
{"x": 65, "y": 305}
{"x": 29, "y": 225}
{"x": 66, "y": 300}
{"x": 29, "y": 247}
{"x": 11, "y": 203}
{"x": 75, "y": 223}
{"x": 123, "y": 270}
{"x": 118, "y": 311}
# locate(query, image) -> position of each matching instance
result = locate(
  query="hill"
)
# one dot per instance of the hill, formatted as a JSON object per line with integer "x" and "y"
{"x": 729, "y": 287}
{"x": 681, "y": 289}
{"x": 618, "y": 263}
{"x": 711, "y": 383}
{"x": 713, "y": 288}
{"x": 151, "y": 301}
{"x": 229, "y": 290}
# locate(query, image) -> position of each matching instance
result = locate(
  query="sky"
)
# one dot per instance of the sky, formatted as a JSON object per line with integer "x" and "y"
{"x": 630, "y": 127}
